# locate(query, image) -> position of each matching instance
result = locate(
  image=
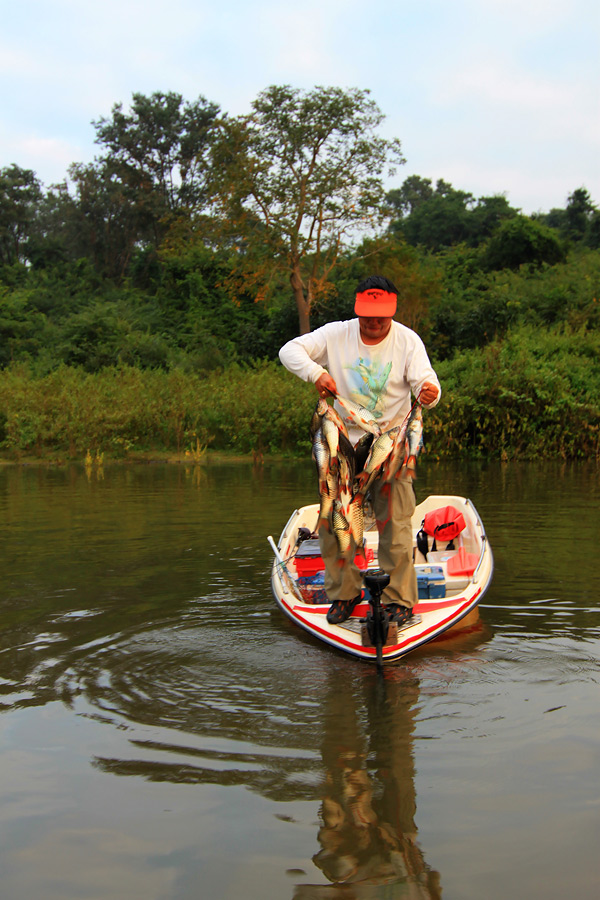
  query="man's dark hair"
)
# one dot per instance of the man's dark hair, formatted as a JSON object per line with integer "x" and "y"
{"x": 377, "y": 281}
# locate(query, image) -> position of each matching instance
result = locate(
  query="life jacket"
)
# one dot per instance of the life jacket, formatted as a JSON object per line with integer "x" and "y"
{"x": 443, "y": 524}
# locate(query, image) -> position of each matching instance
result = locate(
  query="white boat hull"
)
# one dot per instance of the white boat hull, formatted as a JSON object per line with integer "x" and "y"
{"x": 433, "y": 617}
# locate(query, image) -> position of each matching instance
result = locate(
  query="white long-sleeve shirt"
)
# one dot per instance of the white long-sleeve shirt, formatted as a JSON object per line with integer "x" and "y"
{"x": 378, "y": 376}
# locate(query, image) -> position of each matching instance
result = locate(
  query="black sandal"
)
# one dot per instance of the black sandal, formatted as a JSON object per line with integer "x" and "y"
{"x": 401, "y": 615}
{"x": 340, "y": 610}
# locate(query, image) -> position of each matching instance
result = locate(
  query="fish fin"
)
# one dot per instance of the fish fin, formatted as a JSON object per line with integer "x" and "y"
{"x": 410, "y": 470}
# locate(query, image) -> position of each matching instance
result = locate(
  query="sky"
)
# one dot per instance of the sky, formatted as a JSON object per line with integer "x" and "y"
{"x": 493, "y": 96}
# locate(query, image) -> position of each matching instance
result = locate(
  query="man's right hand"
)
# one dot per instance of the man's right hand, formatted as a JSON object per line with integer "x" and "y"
{"x": 326, "y": 386}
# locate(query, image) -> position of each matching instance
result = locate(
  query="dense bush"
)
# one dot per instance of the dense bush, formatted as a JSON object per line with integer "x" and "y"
{"x": 536, "y": 393}
{"x": 259, "y": 407}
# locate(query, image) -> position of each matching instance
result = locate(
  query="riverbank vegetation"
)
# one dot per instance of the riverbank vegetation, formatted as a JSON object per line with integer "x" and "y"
{"x": 143, "y": 301}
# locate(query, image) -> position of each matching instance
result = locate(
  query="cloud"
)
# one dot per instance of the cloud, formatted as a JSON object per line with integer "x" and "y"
{"x": 498, "y": 88}
{"x": 26, "y": 150}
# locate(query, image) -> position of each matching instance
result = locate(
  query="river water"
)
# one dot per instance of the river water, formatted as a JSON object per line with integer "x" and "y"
{"x": 166, "y": 734}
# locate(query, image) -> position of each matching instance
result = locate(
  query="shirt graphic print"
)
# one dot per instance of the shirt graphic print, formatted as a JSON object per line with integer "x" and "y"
{"x": 369, "y": 379}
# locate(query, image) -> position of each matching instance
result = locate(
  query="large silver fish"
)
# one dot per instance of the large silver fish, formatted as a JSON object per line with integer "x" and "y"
{"x": 332, "y": 413}
{"x": 341, "y": 529}
{"x": 355, "y": 519}
{"x": 361, "y": 416}
{"x": 320, "y": 454}
{"x": 413, "y": 442}
{"x": 328, "y": 496}
{"x": 379, "y": 452}
{"x": 397, "y": 454}
{"x": 331, "y": 433}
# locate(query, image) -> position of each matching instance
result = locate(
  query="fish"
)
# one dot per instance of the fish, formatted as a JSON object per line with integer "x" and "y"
{"x": 317, "y": 417}
{"x": 334, "y": 457}
{"x": 331, "y": 433}
{"x": 413, "y": 442}
{"x": 341, "y": 529}
{"x": 328, "y": 496}
{"x": 360, "y": 415}
{"x": 332, "y": 413}
{"x": 379, "y": 452}
{"x": 345, "y": 483}
{"x": 320, "y": 454}
{"x": 355, "y": 519}
{"x": 397, "y": 454}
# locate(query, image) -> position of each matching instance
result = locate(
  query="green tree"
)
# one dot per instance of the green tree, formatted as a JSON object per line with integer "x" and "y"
{"x": 443, "y": 217}
{"x": 158, "y": 151}
{"x": 20, "y": 193}
{"x": 578, "y": 213}
{"x": 295, "y": 180}
{"x": 406, "y": 199}
{"x": 522, "y": 240}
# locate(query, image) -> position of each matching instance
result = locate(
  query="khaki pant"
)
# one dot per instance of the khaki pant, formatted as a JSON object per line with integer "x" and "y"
{"x": 344, "y": 582}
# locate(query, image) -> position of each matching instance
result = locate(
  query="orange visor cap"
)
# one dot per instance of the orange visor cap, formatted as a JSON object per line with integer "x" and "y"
{"x": 375, "y": 302}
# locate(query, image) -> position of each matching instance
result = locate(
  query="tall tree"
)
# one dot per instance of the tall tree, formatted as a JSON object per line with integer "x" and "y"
{"x": 413, "y": 192}
{"x": 158, "y": 151}
{"x": 578, "y": 214}
{"x": 296, "y": 179}
{"x": 20, "y": 194}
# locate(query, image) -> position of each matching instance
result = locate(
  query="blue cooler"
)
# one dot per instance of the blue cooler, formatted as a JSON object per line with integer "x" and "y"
{"x": 431, "y": 582}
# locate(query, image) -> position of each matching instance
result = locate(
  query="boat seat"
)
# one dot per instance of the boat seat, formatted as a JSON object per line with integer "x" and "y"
{"x": 462, "y": 563}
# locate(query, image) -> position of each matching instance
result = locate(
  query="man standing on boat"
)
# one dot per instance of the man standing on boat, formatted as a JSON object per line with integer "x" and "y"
{"x": 378, "y": 363}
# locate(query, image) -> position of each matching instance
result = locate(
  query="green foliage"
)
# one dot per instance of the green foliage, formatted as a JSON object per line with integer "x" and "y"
{"x": 534, "y": 394}
{"x": 159, "y": 148}
{"x": 519, "y": 241}
{"x": 435, "y": 219}
{"x": 578, "y": 222}
{"x": 142, "y": 303}
{"x": 261, "y": 407}
{"x": 475, "y": 306}
{"x": 20, "y": 194}
{"x": 294, "y": 179}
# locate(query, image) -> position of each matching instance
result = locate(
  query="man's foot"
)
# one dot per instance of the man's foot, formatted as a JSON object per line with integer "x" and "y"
{"x": 401, "y": 615}
{"x": 340, "y": 610}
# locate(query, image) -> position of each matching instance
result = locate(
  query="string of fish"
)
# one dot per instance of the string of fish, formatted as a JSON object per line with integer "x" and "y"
{"x": 343, "y": 482}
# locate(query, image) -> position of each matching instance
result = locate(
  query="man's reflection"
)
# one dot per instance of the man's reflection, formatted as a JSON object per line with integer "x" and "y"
{"x": 368, "y": 835}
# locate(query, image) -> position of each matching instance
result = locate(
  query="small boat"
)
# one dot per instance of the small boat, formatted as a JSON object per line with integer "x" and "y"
{"x": 453, "y": 562}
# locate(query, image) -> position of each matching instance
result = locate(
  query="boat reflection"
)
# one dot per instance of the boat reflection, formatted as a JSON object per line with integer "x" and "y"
{"x": 368, "y": 836}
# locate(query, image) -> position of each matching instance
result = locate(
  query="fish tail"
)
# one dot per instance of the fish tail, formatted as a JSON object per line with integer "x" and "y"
{"x": 411, "y": 467}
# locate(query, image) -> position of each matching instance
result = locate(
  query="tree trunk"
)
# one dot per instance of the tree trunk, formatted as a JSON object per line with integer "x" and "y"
{"x": 302, "y": 300}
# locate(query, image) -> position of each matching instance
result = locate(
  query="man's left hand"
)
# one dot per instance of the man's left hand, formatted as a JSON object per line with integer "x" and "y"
{"x": 429, "y": 393}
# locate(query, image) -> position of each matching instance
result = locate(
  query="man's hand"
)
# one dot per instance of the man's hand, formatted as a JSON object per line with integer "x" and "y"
{"x": 429, "y": 393}
{"x": 326, "y": 386}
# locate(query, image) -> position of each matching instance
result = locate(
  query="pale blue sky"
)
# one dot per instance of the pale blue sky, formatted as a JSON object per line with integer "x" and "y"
{"x": 495, "y": 96}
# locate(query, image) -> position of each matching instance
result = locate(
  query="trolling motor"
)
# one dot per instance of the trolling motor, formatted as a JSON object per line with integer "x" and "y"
{"x": 377, "y": 622}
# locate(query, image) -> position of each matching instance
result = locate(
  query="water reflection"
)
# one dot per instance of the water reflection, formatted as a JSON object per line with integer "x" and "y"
{"x": 138, "y": 634}
{"x": 368, "y": 836}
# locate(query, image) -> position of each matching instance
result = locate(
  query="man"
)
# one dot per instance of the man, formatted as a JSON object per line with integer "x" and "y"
{"x": 376, "y": 362}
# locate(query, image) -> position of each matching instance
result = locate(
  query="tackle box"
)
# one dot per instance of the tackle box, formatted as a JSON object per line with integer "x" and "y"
{"x": 431, "y": 582}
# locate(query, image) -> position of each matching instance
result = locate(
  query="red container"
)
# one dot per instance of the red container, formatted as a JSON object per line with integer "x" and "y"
{"x": 310, "y": 565}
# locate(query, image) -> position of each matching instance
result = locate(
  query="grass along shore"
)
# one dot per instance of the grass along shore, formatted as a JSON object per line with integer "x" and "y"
{"x": 535, "y": 394}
